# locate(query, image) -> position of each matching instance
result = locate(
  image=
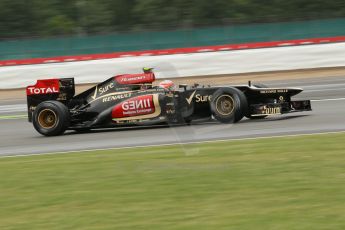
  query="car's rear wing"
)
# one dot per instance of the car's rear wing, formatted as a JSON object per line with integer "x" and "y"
{"x": 49, "y": 89}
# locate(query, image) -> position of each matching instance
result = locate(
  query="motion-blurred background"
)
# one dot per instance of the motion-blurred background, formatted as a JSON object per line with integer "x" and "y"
{"x": 290, "y": 180}
{"x": 35, "y": 28}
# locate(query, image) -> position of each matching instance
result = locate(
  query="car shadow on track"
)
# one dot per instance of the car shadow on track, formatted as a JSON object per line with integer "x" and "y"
{"x": 274, "y": 118}
{"x": 194, "y": 123}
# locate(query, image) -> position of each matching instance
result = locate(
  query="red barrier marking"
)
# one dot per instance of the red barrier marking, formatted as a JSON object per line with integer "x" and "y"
{"x": 187, "y": 50}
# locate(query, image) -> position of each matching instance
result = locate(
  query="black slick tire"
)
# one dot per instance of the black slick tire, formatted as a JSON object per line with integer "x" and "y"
{"x": 51, "y": 118}
{"x": 228, "y": 105}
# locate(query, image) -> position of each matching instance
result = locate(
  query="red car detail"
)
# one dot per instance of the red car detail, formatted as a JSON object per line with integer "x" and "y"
{"x": 142, "y": 78}
{"x": 49, "y": 86}
{"x": 136, "y": 106}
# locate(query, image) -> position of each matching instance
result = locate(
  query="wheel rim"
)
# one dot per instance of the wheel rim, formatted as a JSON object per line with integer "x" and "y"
{"x": 47, "y": 118}
{"x": 225, "y": 105}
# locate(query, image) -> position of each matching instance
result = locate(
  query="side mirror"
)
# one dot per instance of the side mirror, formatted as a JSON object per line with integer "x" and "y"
{"x": 184, "y": 86}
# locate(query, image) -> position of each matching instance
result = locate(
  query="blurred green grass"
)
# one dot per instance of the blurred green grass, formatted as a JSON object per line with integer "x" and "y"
{"x": 278, "y": 183}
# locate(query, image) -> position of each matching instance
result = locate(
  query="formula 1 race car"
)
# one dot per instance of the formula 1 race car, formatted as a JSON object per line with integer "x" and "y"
{"x": 131, "y": 99}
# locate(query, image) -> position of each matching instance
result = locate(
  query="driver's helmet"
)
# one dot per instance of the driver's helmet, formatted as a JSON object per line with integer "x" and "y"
{"x": 167, "y": 84}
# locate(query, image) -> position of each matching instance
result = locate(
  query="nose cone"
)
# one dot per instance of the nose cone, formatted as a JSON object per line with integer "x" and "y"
{"x": 294, "y": 91}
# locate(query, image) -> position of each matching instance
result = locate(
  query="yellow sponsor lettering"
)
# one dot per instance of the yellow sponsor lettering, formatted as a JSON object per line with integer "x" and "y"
{"x": 202, "y": 98}
{"x": 272, "y": 111}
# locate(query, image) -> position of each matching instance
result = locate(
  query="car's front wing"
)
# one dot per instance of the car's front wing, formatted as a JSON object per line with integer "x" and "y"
{"x": 265, "y": 109}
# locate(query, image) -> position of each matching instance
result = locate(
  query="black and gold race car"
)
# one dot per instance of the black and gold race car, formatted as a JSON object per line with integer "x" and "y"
{"x": 131, "y": 99}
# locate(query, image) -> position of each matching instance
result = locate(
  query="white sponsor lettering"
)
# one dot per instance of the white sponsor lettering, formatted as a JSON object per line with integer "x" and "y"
{"x": 136, "y": 105}
{"x": 274, "y": 91}
{"x": 34, "y": 90}
{"x": 116, "y": 97}
{"x": 268, "y": 91}
{"x": 133, "y": 78}
{"x": 282, "y": 90}
{"x": 138, "y": 111}
{"x": 106, "y": 88}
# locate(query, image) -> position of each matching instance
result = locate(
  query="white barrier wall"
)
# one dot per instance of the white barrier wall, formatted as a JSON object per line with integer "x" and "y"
{"x": 181, "y": 65}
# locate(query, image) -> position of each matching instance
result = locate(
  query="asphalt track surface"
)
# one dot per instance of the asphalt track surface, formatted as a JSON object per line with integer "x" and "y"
{"x": 18, "y": 137}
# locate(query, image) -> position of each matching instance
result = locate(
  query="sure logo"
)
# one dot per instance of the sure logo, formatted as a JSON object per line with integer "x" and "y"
{"x": 202, "y": 98}
{"x": 198, "y": 98}
{"x": 106, "y": 88}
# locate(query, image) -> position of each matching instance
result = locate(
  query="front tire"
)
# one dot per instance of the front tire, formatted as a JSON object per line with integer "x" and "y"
{"x": 51, "y": 118}
{"x": 228, "y": 105}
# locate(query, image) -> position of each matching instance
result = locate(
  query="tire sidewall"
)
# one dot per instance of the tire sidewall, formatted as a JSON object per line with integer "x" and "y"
{"x": 239, "y": 103}
{"x": 62, "y": 114}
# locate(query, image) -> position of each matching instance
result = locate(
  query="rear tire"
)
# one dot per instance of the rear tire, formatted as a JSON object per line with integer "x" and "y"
{"x": 51, "y": 118}
{"x": 228, "y": 105}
